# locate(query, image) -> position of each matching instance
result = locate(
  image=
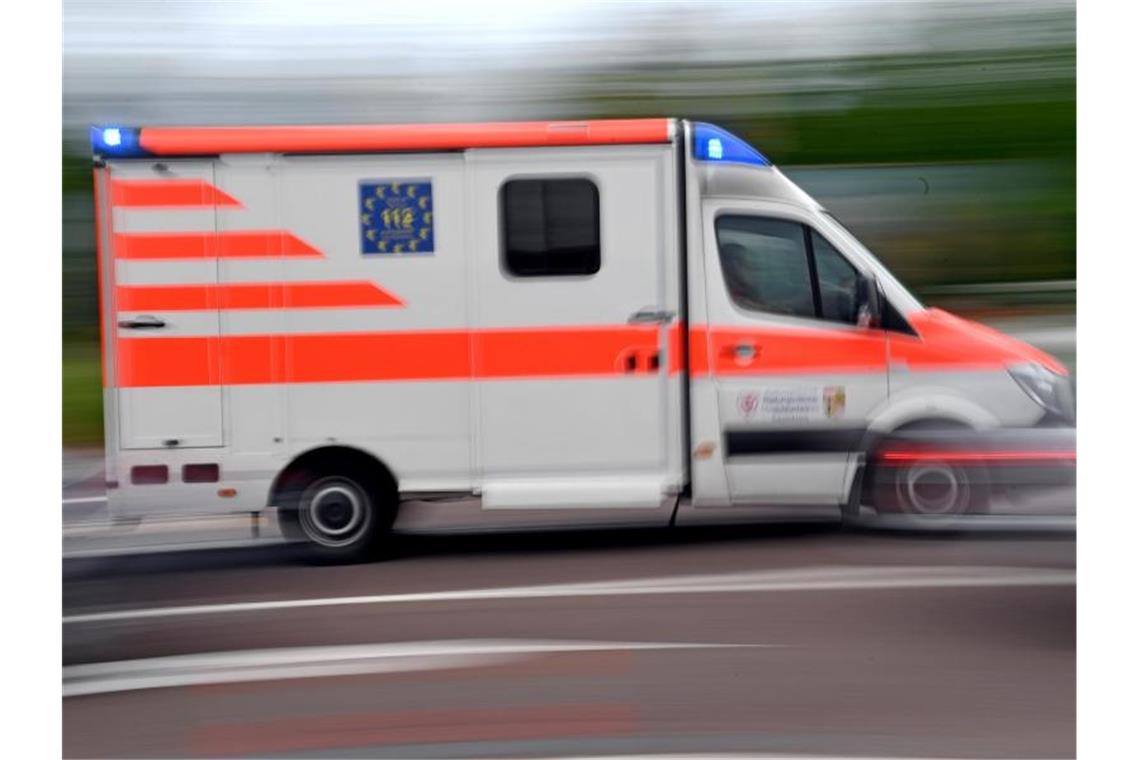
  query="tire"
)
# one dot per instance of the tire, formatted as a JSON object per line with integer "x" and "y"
{"x": 930, "y": 489}
{"x": 339, "y": 518}
{"x": 926, "y": 489}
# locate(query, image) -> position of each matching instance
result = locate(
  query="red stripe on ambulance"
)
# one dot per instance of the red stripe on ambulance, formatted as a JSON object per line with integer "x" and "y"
{"x": 169, "y": 141}
{"x": 193, "y": 245}
{"x": 168, "y": 193}
{"x": 796, "y": 351}
{"x": 357, "y": 357}
{"x": 256, "y": 295}
{"x": 587, "y": 351}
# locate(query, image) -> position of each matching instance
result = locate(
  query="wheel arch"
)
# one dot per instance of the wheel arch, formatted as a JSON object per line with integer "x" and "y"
{"x": 927, "y": 411}
{"x": 334, "y": 458}
{"x": 941, "y": 407}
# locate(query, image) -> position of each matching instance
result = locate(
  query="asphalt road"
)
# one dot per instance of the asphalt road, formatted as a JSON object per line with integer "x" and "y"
{"x": 797, "y": 641}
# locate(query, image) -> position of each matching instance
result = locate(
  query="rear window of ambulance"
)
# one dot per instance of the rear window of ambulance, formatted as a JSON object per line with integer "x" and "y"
{"x": 550, "y": 227}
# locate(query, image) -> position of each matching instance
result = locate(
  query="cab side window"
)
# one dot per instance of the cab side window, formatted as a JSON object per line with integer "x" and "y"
{"x": 837, "y": 300}
{"x": 783, "y": 267}
{"x": 765, "y": 264}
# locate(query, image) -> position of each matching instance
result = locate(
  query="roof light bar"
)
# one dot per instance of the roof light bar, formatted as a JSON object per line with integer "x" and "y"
{"x": 116, "y": 142}
{"x": 711, "y": 143}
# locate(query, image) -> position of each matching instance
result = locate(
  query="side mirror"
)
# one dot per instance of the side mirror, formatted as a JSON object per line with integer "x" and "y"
{"x": 868, "y": 307}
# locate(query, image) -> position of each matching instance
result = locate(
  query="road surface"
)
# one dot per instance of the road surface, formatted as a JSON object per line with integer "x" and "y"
{"x": 797, "y": 641}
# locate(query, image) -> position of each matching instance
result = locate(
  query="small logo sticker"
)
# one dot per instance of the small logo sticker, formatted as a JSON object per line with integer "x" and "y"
{"x": 748, "y": 403}
{"x": 834, "y": 401}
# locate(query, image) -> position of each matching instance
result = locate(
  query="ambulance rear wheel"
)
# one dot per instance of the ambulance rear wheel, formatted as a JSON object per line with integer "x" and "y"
{"x": 337, "y": 518}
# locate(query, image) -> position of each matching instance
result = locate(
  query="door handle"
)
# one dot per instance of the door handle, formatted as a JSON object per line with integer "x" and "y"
{"x": 144, "y": 322}
{"x": 651, "y": 316}
{"x": 742, "y": 353}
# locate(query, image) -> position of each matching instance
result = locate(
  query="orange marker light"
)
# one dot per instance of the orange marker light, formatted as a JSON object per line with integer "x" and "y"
{"x": 704, "y": 450}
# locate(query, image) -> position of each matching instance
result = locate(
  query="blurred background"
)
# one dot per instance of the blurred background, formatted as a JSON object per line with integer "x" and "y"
{"x": 942, "y": 133}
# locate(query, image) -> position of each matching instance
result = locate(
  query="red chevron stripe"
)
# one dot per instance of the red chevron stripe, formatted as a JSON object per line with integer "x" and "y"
{"x": 194, "y": 245}
{"x": 168, "y": 193}
{"x": 253, "y": 295}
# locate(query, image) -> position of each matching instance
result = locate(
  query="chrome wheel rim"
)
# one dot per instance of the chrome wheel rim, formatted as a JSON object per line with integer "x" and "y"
{"x": 334, "y": 512}
{"x": 933, "y": 489}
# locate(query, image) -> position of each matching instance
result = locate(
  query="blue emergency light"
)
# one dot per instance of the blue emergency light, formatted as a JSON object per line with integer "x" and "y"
{"x": 712, "y": 143}
{"x": 118, "y": 142}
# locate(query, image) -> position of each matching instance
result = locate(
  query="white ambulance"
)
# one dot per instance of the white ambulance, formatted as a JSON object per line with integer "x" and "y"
{"x": 377, "y": 329}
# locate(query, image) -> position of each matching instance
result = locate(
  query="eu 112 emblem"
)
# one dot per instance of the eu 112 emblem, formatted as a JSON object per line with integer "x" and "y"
{"x": 396, "y": 217}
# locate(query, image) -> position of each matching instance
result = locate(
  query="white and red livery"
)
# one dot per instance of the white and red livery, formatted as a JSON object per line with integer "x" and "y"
{"x": 433, "y": 327}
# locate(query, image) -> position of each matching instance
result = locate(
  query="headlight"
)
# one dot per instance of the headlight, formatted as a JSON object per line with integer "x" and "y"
{"x": 1050, "y": 390}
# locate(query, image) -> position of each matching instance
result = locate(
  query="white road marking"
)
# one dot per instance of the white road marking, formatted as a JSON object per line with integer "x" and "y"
{"x": 804, "y": 579}
{"x": 323, "y": 661}
{"x": 85, "y": 500}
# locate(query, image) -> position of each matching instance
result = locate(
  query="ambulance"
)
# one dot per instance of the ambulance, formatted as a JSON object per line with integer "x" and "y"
{"x": 443, "y": 327}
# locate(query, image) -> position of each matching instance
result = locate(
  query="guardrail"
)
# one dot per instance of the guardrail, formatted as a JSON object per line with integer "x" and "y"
{"x": 1005, "y": 288}
{"x": 1035, "y": 295}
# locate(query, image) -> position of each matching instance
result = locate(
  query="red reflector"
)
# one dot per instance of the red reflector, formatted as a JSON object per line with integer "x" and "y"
{"x": 199, "y": 473}
{"x": 149, "y": 474}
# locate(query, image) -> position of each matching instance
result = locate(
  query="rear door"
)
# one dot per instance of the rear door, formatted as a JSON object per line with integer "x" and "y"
{"x": 164, "y": 304}
{"x": 576, "y": 299}
{"x": 796, "y": 380}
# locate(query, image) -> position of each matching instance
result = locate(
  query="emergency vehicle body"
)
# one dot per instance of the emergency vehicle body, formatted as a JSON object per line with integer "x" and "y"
{"x": 506, "y": 325}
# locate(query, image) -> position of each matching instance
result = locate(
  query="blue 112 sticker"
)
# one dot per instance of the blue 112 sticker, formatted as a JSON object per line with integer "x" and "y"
{"x": 396, "y": 217}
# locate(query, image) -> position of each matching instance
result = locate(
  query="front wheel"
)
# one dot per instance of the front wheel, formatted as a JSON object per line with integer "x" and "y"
{"x": 341, "y": 518}
{"x": 931, "y": 489}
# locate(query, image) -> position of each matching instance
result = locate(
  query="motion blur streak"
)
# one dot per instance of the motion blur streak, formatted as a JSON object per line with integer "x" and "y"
{"x": 314, "y": 662}
{"x": 808, "y": 579}
{"x": 979, "y": 456}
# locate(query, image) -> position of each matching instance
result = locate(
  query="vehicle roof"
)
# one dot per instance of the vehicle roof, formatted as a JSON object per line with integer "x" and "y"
{"x": 739, "y": 181}
{"x": 361, "y": 138}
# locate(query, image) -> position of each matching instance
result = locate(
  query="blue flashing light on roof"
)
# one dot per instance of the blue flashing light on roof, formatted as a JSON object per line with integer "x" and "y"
{"x": 714, "y": 144}
{"x": 116, "y": 142}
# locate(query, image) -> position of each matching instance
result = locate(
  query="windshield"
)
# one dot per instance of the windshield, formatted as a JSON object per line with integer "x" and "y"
{"x": 884, "y": 274}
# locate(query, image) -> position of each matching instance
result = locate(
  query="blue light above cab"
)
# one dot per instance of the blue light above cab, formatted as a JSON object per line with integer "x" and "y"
{"x": 712, "y": 143}
{"x": 117, "y": 142}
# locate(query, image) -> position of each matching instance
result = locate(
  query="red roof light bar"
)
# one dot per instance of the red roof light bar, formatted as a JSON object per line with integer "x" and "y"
{"x": 185, "y": 141}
